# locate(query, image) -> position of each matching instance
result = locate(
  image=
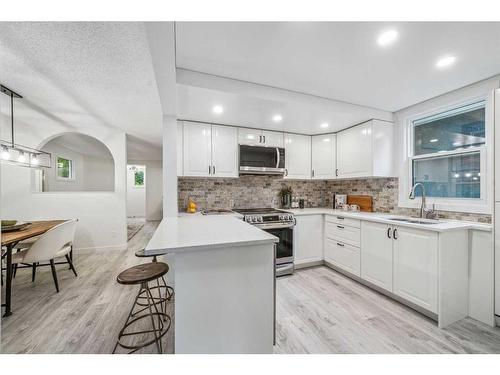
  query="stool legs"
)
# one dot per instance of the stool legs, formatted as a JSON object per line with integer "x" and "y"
{"x": 159, "y": 328}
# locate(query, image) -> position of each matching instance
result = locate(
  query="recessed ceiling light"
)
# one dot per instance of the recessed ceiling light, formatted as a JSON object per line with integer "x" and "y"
{"x": 434, "y": 140}
{"x": 218, "y": 109}
{"x": 325, "y": 125}
{"x": 468, "y": 175}
{"x": 387, "y": 37}
{"x": 443, "y": 62}
{"x": 277, "y": 118}
{"x": 456, "y": 175}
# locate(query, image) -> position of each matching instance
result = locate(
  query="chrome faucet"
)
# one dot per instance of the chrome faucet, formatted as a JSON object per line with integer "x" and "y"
{"x": 412, "y": 196}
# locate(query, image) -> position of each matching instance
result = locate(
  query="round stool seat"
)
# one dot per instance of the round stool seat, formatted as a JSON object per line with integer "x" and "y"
{"x": 142, "y": 273}
{"x": 141, "y": 254}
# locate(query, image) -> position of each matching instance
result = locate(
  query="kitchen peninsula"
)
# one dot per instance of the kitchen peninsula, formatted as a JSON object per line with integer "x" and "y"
{"x": 224, "y": 269}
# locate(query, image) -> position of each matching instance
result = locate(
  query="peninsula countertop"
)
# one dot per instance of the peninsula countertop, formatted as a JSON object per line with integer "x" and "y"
{"x": 204, "y": 232}
{"x": 442, "y": 226}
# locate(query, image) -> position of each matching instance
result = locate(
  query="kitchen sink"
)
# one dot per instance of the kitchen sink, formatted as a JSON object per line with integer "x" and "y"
{"x": 415, "y": 220}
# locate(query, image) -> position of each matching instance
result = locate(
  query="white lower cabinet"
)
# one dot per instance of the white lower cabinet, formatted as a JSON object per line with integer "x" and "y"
{"x": 308, "y": 244}
{"x": 416, "y": 266}
{"x": 342, "y": 255}
{"x": 376, "y": 254}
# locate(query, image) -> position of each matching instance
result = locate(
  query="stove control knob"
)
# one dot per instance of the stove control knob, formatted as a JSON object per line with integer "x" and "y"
{"x": 261, "y": 220}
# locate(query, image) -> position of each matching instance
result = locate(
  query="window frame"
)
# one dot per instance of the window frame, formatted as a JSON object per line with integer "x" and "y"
{"x": 72, "y": 177}
{"x": 480, "y": 205}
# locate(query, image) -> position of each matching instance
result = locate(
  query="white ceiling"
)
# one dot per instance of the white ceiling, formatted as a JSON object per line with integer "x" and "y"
{"x": 342, "y": 60}
{"x": 82, "y": 74}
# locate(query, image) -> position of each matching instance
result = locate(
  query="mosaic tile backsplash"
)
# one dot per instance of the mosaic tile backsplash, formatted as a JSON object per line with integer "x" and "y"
{"x": 262, "y": 191}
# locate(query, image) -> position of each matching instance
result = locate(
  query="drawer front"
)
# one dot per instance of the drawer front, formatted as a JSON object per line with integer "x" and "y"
{"x": 343, "y": 256}
{"x": 342, "y": 220}
{"x": 342, "y": 233}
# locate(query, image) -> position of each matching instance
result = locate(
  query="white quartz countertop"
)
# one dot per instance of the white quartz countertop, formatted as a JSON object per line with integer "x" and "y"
{"x": 442, "y": 226}
{"x": 193, "y": 232}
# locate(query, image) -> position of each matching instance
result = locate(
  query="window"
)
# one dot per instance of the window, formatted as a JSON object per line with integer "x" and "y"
{"x": 447, "y": 152}
{"x": 65, "y": 169}
{"x": 139, "y": 178}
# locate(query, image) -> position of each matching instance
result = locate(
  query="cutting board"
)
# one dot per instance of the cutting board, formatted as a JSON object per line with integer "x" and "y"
{"x": 365, "y": 202}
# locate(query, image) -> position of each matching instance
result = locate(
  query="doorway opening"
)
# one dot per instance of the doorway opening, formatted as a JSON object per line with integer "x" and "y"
{"x": 136, "y": 199}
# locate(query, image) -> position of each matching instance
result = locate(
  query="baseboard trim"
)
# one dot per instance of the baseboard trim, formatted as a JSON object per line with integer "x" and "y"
{"x": 86, "y": 250}
{"x": 315, "y": 263}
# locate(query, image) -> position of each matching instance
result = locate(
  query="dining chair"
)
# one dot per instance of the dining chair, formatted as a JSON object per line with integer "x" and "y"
{"x": 55, "y": 243}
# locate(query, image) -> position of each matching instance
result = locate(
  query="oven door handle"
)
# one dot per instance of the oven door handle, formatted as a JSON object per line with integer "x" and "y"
{"x": 275, "y": 226}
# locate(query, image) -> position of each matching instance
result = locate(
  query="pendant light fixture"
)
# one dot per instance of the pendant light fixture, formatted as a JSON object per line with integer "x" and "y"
{"x": 17, "y": 154}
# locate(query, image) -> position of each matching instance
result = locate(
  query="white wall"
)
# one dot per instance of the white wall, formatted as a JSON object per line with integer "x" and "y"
{"x": 101, "y": 215}
{"x": 136, "y": 195}
{"x": 154, "y": 188}
{"x": 51, "y": 182}
{"x": 91, "y": 173}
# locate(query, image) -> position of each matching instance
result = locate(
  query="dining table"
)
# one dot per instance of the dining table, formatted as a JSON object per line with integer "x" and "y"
{"x": 10, "y": 240}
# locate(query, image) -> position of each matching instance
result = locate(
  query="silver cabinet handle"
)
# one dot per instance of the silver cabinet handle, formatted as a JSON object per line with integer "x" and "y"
{"x": 213, "y": 169}
{"x": 313, "y": 172}
{"x": 395, "y": 233}
{"x": 260, "y": 139}
{"x": 340, "y": 244}
{"x": 209, "y": 170}
{"x": 286, "y": 172}
{"x": 264, "y": 138}
{"x": 340, "y": 217}
{"x": 336, "y": 172}
{"x": 389, "y": 233}
{"x": 340, "y": 227}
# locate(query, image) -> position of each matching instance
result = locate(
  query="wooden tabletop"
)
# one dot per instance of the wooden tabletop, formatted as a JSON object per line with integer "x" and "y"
{"x": 36, "y": 228}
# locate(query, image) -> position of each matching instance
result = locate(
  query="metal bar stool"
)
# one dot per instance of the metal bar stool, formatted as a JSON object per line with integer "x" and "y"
{"x": 143, "y": 274}
{"x": 162, "y": 288}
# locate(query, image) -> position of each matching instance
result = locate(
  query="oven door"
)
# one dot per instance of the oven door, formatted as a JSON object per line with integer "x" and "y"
{"x": 284, "y": 248}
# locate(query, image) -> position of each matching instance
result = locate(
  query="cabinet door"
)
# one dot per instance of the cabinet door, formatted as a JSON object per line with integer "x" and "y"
{"x": 272, "y": 139}
{"x": 197, "y": 149}
{"x": 354, "y": 151}
{"x": 179, "y": 148}
{"x": 376, "y": 254}
{"x": 308, "y": 234}
{"x": 415, "y": 266}
{"x": 224, "y": 151}
{"x": 323, "y": 156}
{"x": 297, "y": 156}
{"x": 252, "y": 137}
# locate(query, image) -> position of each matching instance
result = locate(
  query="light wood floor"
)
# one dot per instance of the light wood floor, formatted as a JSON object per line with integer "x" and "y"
{"x": 318, "y": 311}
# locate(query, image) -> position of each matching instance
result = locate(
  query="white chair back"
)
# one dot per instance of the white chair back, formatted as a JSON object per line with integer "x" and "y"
{"x": 51, "y": 242}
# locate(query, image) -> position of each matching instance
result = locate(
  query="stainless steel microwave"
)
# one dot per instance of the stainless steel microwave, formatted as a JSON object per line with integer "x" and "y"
{"x": 262, "y": 160}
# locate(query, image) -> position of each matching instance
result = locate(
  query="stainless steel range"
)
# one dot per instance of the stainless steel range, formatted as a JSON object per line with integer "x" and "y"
{"x": 280, "y": 224}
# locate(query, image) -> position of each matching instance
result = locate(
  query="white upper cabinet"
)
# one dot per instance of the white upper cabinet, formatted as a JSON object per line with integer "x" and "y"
{"x": 297, "y": 156}
{"x": 257, "y": 137}
{"x": 252, "y": 137}
{"x": 209, "y": 150}
{"x": 323, "y": 156}
{"x": 272, "y": 139}
{"x": 366, "y": 150}
{"x": 416, "y": 266}
{"x": 197, "y": 149}
{"x": 179, "y": 148}
{"x": 224, "y": 151}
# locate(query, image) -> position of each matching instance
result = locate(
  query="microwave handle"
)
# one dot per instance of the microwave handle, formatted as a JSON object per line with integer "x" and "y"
{"x": 277, "y": 157}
